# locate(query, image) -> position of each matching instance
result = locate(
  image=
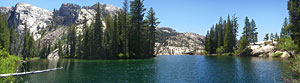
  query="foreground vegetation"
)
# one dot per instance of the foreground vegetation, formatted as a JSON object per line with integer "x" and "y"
{"x": 8, "y": 64}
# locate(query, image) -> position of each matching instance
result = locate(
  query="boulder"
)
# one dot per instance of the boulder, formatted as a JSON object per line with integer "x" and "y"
{"x": 53, "y": 55}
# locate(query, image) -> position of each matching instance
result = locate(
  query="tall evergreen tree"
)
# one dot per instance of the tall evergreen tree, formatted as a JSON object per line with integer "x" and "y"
{"x": 60, "y": 50}
{"x": 137, "y": 13}
{"x": 115, "y": 37}
{"x": 246, "y": 29}
{"x": 206, "y": 43}
{"x": 98, "y": 32}
{"x": 228, "y": 39}
{"x": 284, "y": 30}
{"x": 220, "y": 33}
{"x": 212, "y": 41}
{"x": 235, "y": 27}
{"x": 86, "y": 40}
{"x": 216, "y": 35}
{"x": 72, "y": 41}
{"x": 28, "y": 50}
{"x": 253, "y": 32}
{"x": 108, "y": 34}
{"x": 293, "y": 7}
{"x": 125, "y": 26}
{"x": 152, "y": 24}
{"x": 266, "y": 38}
{"x": 14, "y": 41}
{"x": 4, "y": 32}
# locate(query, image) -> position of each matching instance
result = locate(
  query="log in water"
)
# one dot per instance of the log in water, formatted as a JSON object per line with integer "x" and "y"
{"x": 32, "y": 72}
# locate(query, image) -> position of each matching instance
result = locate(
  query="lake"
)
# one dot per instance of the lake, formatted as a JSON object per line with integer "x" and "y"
{"x": 161, "y": 69}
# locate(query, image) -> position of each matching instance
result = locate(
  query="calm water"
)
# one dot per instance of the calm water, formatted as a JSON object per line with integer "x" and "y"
{"x": 162, "y": 69}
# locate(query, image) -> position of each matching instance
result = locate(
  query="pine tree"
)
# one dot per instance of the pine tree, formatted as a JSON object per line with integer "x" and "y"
{"x": 266, "y": 37}
{"x": 293, "y": 7}
{"x": 115, "y": 37}
{"x": 207, "y": 46}
{"x": 216, "y": 35}
{"x": 125, "y": 26}
{"x": 253, "y": 32}
{"x": 220, "y": 33}
{"x": 284, "y": 30}
{"x": 137, "y": 13}
{"x": 108, "y": 35}
{"x": 14, "y": 42}
{"x": 235, "y": 27}
{"x": 228, "y": 39}
{"x": 98, "y": 32}
{"x": 60, "y": 50}
{"x": 246, "y": 29}
{"x": 212, "y": 41}
{"x": 86, "y": 40}
{"x": 4, "y": 32}
{"x": 28, "y": 50}
{"x": 72, "y": 41}
{"x": 243, "y": 49}
{"x": 152, "y": 24}
{"x": 272, "y": 37}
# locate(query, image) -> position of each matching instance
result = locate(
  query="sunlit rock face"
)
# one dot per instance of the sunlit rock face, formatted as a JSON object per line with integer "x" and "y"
{"x": 267, "y": 48}
{"x": 34, "y": 18}
{"x": 174, "y": 43}
{"x": 50, "y": 26}
{"x": 6, "y": 10}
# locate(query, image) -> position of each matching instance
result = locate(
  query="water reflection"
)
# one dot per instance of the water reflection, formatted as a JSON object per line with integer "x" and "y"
{"x": 162, "y": 69}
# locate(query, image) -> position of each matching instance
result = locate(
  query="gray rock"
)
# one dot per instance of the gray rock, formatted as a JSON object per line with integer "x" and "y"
{"x": 6, "y": 10}
{"x": 33, "y": 17}
{"x": 178, "y": 43}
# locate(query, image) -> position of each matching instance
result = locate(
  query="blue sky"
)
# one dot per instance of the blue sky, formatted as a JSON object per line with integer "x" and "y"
{"x": 195, "y": 15}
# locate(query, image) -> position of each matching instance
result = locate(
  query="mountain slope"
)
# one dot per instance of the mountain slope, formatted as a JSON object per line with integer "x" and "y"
{"x": 48, "y": 26}
{"x": 171, "y": 42}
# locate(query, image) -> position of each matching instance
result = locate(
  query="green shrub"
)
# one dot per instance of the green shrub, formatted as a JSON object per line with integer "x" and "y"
{"x": 220, "y": 50}
{"x": 277, "y": 54}
{"x": 243, "y": 52}
{"x": 287, "y": 44}
{"x": 127, "y": 55}
{"x": 227, "y": 54}
{"x": 121, "y": 55}
{"x": 8, "y": 64}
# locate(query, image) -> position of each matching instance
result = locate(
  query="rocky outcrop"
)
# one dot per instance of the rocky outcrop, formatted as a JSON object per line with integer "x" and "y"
{"x": 6, "y": 10}
{"x": 44, "y": 24}
{"x": 32, "y": 17}
{"x": 52, "y": 36}
{"x": 174, "y": 43}
{"x": 69, "y": 12}
{"x": 53, "y": 55}
{"x": 266, "y": 48}
{"x": 48, "y": 26}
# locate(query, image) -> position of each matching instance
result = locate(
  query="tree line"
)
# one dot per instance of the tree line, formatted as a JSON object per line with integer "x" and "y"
{"x": 127, "y": 35}
{"x": 221, "y": 38}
